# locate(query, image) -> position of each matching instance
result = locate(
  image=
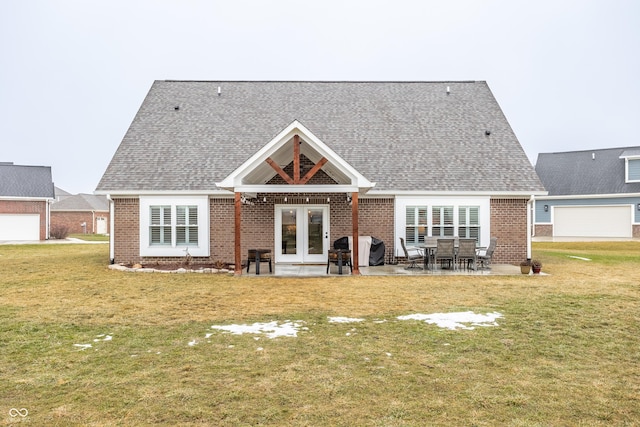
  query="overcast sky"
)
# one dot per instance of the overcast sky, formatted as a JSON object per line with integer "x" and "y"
{"x": 74, "y": 72}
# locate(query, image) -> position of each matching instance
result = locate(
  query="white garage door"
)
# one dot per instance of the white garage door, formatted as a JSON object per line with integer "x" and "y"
{"x": 19, "y": 227}
{"x": 592, "y": 221}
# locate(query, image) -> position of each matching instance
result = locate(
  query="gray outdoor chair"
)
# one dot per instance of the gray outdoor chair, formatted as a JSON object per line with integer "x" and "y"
{"x": 412, "y": 255}
{"x": 445, "y": 251}
{"x": 467, "y": 253}
{"x": 486, "y": 258}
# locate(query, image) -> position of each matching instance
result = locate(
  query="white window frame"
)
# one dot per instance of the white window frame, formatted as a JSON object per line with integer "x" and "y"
{"x": 482, "y": 203}
{"x": 173, "y": 249}
{"x": 626, "y": 169}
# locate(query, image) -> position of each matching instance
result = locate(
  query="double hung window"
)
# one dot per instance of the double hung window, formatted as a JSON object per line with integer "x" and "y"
{"x": 173, "y": 226}
{"x": 469, "y": 222}
{"x": 416, "y": 217}
{"x": 442, "y": 218}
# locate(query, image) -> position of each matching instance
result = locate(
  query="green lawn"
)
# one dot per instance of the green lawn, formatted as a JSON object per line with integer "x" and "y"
{"x": 84, "y": 345}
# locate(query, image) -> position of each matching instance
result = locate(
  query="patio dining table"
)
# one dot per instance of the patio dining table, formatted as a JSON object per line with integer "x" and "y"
{"x": 429, "y": 248}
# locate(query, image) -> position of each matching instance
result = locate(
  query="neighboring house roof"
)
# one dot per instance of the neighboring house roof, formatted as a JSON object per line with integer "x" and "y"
{"x": 403, "y": 136}
{"x": 61, "y": 194}
{"x": 25, "y": 181}
{"x": 81, "y": 202}
{"x": 586, "y": 172}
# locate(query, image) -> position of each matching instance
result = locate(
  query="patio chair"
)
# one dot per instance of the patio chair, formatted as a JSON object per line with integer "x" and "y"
{"x": 412, "y": 255}
{"x": 485, "y": 259}
{"x": 334, "y": 256}
{"x": 445, "y": 251}
{"x": 467, "y": 253}
{"x": 430, "y": 245}
{"x": 265, "y": 256}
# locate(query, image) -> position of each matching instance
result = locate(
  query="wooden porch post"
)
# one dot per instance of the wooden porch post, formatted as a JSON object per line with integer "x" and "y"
{"x": 238, "y": 234}
{"x": 354, "y": 223}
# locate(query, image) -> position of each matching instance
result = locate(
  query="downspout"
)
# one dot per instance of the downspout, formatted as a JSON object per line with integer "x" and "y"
{"x": 47, "y": 226}
{"x": 112, "y": 256}
{"x": 93, "y": 222}
{"x": 530, "y": 205}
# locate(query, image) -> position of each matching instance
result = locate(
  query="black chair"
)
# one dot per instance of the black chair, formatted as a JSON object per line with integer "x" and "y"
{"x": 486, "y": 258}
{"x": 445, "y": 251}
{"x": 263, "y": 256}
{"x": 412, "y": 258}
{"x": 341, "y": 258}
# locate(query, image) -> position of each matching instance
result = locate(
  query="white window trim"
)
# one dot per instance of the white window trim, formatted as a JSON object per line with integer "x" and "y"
{"x": 202, "y": 203}
{"x": 483, "y": 203}
{"x": 626, "y": 170}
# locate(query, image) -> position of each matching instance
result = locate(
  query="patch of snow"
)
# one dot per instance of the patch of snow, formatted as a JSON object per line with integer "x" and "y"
{"x": 270, "y": 329}
{"x": 192, "y": 343}
{"x": 456, "y": 320}
{"x": 345, "y": 320}
{"x": 82, "y": 347}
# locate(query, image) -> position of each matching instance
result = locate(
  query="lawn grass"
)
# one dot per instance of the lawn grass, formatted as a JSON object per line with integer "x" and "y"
{"x": 565, "y": 352}
{"x": 91, "y": 237}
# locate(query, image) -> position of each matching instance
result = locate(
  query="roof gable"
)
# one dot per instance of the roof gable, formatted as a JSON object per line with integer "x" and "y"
{"x": 586, "y": 172}
{"x": 257, "y": 171}
{"x": 404, "y": 136}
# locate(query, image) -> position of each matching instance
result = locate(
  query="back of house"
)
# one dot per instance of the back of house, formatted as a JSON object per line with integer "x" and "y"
{"x": 215, "y": 168}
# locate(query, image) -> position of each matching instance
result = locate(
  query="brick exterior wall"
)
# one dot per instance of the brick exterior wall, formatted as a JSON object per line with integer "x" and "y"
{"x": 126, "y": 233}
{"x": 27, "y": 207}
{"x": 73, "y": 221}
{"x": 509, "y": 225}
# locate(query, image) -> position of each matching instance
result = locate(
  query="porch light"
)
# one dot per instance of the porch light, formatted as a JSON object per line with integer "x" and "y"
{"x": 639, "y": 206}
{"x": 546, "y": 208}
{"x": 285, "y": 199}
{"x": 329, "y": 199}
{"x": 307, "y": 200}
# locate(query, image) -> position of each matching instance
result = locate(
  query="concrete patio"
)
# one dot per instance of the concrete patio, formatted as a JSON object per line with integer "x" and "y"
{"x": 305, "y": 270}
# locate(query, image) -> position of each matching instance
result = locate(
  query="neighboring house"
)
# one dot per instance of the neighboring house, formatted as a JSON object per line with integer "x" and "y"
{"x": 25, "y": 195}
{"x": 217, "y": 168}
{"x": 592, "y": 193}
{"x": 80, "y": 213}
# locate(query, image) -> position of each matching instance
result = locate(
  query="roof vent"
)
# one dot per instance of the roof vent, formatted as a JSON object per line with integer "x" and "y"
{"x": 487, "y": 132}
{"x": 593, "y": 156}
{"x": 448, "y": 90}
{"x": 219, "y": 90}
{"x": 177, "y": 107}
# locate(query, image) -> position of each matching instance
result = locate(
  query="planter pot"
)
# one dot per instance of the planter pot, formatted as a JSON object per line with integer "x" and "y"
{"x": 525, "y": 269}
{"x": 536, "y": 270}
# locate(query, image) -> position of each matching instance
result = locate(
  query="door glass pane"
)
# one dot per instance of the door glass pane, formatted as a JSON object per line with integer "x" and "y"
{"x": 314, "y": 218}
{"x": 289, "y": 232}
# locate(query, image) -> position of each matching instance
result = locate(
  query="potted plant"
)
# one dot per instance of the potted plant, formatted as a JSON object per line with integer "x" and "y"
{"x": 525, "y": 266}
{"x": 536, "y": 266}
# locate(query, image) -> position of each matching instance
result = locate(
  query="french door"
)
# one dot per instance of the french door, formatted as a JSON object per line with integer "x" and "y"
{"x": 302, "y": 234}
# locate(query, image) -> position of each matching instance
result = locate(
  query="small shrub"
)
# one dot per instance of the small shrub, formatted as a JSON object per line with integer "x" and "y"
{"x": 59, "y": 232}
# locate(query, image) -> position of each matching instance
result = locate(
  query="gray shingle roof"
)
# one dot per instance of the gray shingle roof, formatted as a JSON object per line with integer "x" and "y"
{"x": 25, "y": 181}
{"x": 401, "y": 135}
{"x": 585, "y": 172}
{"x": 82, "y": 202}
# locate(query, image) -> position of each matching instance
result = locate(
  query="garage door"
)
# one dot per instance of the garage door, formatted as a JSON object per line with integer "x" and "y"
{"x": 592, "y": 221}
{"x": 19, "y": 227}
